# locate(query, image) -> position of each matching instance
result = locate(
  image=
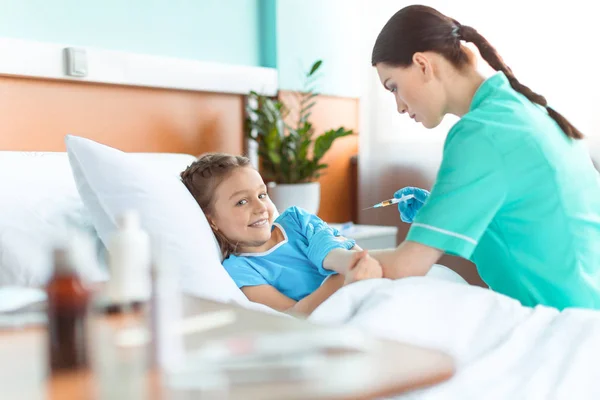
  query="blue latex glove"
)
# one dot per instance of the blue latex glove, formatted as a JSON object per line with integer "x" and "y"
{"x": 408, "y": 209}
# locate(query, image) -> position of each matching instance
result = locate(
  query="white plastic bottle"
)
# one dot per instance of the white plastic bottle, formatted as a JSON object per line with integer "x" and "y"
{"x": 166, "y": 315}
{"x": 129, "y": 262}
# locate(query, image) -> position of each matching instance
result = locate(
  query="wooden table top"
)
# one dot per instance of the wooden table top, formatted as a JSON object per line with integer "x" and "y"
{"x": 120, "y": 369}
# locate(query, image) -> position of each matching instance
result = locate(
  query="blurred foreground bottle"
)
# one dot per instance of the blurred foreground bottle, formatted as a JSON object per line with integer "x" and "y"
{"x": 68, "y": 301}
{"x": 129, "y": 264}
{"x": 166, "y": 315}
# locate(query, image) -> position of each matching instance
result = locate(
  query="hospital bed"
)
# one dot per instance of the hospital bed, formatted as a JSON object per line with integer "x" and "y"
{"x": 502, "y": 350}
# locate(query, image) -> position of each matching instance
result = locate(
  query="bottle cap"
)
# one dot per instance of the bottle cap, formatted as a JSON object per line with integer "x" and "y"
{"x": 62, "y": 262}
{"x": 74, "y": 253}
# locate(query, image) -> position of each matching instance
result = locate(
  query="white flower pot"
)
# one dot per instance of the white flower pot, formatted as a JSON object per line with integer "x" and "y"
{"x": 303, "y": 195}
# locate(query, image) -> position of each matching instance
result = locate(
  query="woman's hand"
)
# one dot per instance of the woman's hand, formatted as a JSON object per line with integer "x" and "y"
{"x": 408, "y": 209}
{"x": 364, "y": 267}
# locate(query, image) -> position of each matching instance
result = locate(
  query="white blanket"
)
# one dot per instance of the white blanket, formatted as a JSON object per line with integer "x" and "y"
{"x": 502, "y": 349}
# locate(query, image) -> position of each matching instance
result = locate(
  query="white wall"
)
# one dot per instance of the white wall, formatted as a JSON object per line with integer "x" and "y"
{"x": 550, "y": 46}
{"x": 308, "y": 30}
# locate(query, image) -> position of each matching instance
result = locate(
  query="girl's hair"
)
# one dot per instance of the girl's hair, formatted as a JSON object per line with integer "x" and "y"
{"x": 202, "y": 177}
{"x": 419, "y": 28}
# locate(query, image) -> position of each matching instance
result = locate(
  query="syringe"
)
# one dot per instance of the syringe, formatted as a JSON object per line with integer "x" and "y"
{"x": 390, "y": 202}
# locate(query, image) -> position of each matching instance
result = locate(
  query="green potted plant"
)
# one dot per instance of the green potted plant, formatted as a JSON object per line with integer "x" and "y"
{"x": 290, "y": 153}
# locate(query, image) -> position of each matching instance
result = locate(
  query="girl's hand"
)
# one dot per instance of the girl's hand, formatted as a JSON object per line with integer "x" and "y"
{"x": 364, "y": 267}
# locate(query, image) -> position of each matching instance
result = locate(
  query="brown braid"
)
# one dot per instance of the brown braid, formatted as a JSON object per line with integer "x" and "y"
{"x": 420, "y": 28}
{"x": 202, "y": 177}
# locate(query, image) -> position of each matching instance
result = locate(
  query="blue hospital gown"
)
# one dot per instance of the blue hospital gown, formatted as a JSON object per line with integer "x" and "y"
{"x": 295, "y": 265}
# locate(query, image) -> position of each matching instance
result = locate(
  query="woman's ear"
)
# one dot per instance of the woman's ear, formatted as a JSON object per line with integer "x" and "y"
{"x": 423, "y": 63}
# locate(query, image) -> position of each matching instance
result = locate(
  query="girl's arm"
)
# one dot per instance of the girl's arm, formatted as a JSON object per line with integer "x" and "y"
{"x": 310, "y": 303}
{"x": 321, "y": 240}
{"x": 342, "y": 260}
{"x": 270, "y": 296}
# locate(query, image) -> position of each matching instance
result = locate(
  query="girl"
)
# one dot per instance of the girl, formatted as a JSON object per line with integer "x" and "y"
{"x": 280, "y": 261}
{"x": 516, "y": 191}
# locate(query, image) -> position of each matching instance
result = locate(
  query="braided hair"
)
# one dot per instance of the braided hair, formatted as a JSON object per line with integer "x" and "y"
{"x": 202, "y": 177}
{"x": 420, "y": 28}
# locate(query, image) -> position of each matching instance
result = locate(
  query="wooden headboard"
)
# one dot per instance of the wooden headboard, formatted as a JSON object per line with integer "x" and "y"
{"x": 36, "y": 115}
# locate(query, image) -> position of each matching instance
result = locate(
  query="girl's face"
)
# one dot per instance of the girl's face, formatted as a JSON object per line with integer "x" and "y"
{"x": 242, "y": 210}
{"x": 417, "y": 90}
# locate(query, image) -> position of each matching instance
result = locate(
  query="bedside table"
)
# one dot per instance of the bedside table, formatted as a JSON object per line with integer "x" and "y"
{"x": 121, "y": 370}
{"x": 370, "y": 237}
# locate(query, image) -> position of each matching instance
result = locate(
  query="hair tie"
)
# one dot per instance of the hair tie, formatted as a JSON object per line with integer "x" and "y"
{"x": 456, "y": 31}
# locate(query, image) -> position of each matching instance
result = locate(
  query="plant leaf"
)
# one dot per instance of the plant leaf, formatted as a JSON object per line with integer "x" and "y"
{"x": 315, "y": 67}
{"x": 308, "y": 107}
{"x": 307, "y": 97}
{"x": 324, "y": 142}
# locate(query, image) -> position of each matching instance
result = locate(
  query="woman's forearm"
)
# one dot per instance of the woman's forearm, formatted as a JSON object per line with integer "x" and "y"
{"x": 308, "y": 304}
{"x": 408, "y": 259}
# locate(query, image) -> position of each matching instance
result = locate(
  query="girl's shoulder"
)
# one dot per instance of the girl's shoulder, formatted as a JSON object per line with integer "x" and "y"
{"x": 294, "y": 213}
{"x": 234, "y": 261}
{"x": 288, "y": 219}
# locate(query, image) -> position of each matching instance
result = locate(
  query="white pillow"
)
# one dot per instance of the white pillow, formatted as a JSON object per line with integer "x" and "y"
{"x": 111, "y": 182}
{"x": 39, "y": 209}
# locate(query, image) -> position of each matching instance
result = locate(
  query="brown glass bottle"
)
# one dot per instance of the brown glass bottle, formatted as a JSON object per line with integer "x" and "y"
{"x": 68, "y": 301}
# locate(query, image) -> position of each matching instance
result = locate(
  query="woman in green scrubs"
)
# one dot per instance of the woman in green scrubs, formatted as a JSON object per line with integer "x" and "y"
{"x": 516, "y": 192}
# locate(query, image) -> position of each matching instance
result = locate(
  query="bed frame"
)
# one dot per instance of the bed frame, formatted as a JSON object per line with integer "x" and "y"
{"x": 198, "y": 107}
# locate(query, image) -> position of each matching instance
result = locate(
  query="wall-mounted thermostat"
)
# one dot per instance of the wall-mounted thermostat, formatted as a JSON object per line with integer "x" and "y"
{"x": 75, "y": 62}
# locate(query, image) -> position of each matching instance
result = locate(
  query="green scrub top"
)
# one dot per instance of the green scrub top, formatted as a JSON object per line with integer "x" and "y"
{"x": 520, "y": 199}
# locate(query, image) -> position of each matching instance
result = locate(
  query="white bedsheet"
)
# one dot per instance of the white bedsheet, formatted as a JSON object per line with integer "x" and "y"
{"x": 502, "y": 349}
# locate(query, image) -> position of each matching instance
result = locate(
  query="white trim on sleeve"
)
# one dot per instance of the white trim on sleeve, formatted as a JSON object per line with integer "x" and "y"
{"x": 448, "y": 233}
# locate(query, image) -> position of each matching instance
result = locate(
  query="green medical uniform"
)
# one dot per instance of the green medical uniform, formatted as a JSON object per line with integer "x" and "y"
{"x": 520, "y": 199}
